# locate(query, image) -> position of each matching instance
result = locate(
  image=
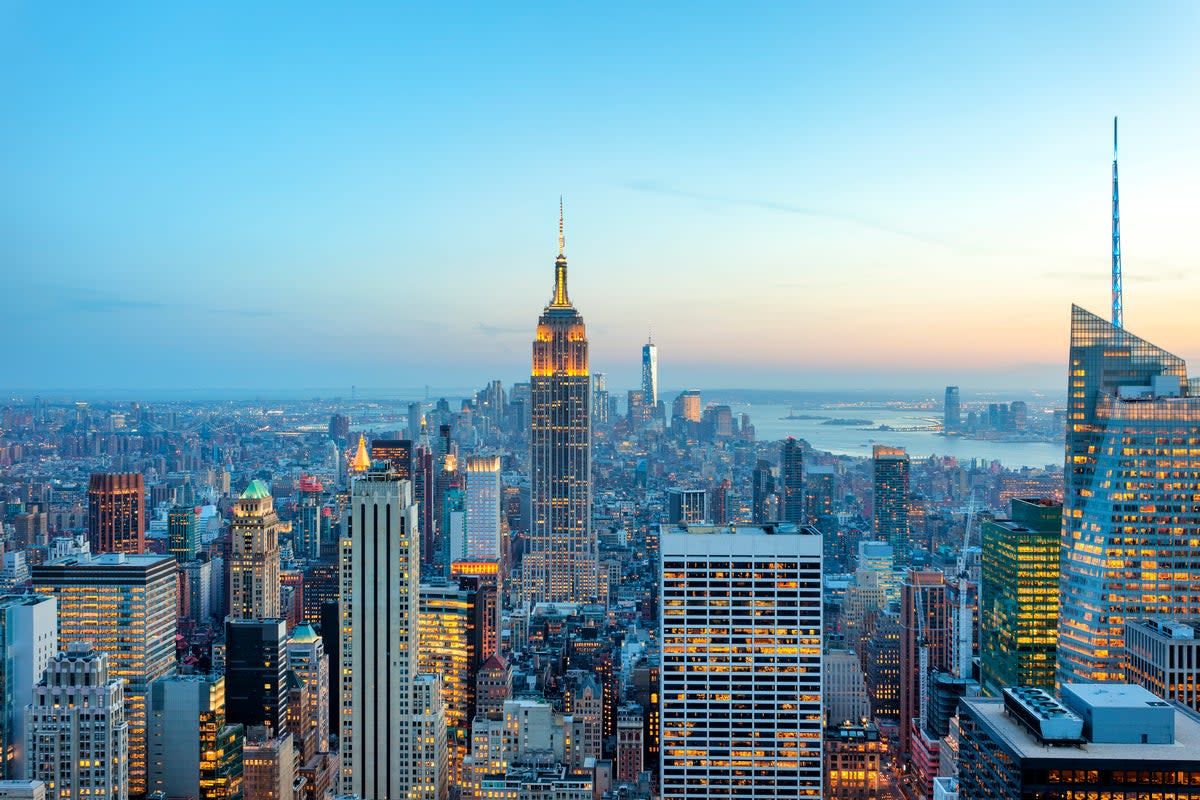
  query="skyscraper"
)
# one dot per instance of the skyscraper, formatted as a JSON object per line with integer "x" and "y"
{"x": 306, "y": 657}
{"x": 254, "y": 560}
{"x": 891, "y": 500}
{"x": 924, "y": 626}
{"x": 952, "y": 415}
{"x": 483, "y": 508}
{"x": 308, "y": 513}
{"x": 380, "y": 554}
{"x": 791, "y": 482}
{"x": 561, "y": 563}
{"x": 1018, "y": 610}
{"x": 650, "y": 375}
{"x": 117, "y": 512}
{"x": 762, "y": 493}
{"x": 599, "y": 399}
{"x": 397, "y": 452}
{"x": 183, "y": 532}
{"x": 28, "y": 643}
{"x": 741, "y": 661}
{"x": 1132, "y": 470}
{"x": 450, "y": 648}
{"x": 75, "y": 728}
{"x": 125, "y": 605}
{"x": 193, "y": 752}
{"x": 255, "y": 673}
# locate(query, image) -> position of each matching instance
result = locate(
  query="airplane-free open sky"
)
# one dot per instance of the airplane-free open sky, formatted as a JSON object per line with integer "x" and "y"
{"x": 789, "y": 195}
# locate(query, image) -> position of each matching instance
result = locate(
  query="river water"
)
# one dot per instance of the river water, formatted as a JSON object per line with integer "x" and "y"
{"x": 851, "y": 440}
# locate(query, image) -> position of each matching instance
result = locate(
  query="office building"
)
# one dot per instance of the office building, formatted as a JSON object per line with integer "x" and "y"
{"x": 398, "y": 453}
{"x": 1132, "y": 467}
{"x": 380, "y": 554}
{"x": 763, "y": 504}
{"x": 254, "y": 556}
{"x": 431, "y": 760}
{"x": 192, "y": 752}
{"x": 22, "y": 790}
{"x": 183, "y": 532}
{"x": 561, "y": 563}
{"x": 600, "y": 399}
{"x": 1018, "y": 611}
{"x": 1027, "y": 744}
{"x": 256, "y": 673}
{"x": 483, "y": 525}
{"x": 117, "y": 513}
{"x": 481, "y": 579}
{"x": 925, "y": 643}
{"x": 791, "y": 482}
{"x": 819, "y": 494}
{"x": 891, "y": 504}
{"x": 741, "y": 633}
{"x": 687, "y": 506}
{"x": 1163, "y": 657}
{"x": 309, "y": 535}
{"x": 449, "y": 647}
{"x": 846, "y": 698}
{"x": 630, "y": 723}
{"x": 75, "y": 729}
{"x": 853, "y": 759}
{"x": 339, "y": 428}
{"x": 686, "y": 408}
{"x": 125, "y": 606}
{"x": 952, "y": 414}
{"x": 306, "y": 658}
{"x": 650, "y": 375}
{"x": 28, "y": 643}
{"x": 268, "y": 765}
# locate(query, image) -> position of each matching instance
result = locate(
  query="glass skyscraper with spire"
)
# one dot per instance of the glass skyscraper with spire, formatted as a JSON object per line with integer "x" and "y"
{"x": 1131, "y": 515}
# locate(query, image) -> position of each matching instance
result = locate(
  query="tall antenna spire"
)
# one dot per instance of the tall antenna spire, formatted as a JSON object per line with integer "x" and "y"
{"x": 1118, "y": 310}
{"x": 559, "y": 298}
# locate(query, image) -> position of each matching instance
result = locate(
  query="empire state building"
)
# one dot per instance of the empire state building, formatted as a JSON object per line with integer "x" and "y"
{"x": 561, "y": 563}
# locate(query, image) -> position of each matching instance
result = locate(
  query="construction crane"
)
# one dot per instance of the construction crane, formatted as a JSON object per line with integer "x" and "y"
{"x": 965, "y": 633}
{"x": 922, "y": 656}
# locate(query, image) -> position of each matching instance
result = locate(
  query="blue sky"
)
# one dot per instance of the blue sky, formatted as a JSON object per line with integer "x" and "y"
{"x": 789, "y": 196}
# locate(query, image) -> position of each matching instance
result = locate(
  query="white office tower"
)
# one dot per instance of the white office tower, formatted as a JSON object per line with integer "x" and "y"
{"x": 28, "y": 643}
{"x": 741, "y": 661}
{"x": 483, "y": 508}
{"x": 379, "y": 604}
{"x": 75, "y": 731}
{"x": 430, "y": 757}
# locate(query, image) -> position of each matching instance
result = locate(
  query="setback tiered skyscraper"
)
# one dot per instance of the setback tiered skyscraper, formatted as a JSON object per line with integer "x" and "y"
{"x": 1130, "y": 520}
{"x": 380, "y": 555}
{"x": 741, "y": 661}
{"x": 561, "y": 564}
{"x": 254, "y": 563}
{"x": 76, "y": 730}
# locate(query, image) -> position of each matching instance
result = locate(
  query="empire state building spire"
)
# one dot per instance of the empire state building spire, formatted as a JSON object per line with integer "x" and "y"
{"x": 560, "y": 299}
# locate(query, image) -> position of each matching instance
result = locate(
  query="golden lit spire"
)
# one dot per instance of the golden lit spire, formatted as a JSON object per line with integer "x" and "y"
{"x": 560, "y": 299}
{"x": 361, "y": 461}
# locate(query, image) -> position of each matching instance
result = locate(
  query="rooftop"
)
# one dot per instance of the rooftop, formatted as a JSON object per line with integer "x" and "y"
{"x": 257, "y": 490}
{"x": 1006, "y": 729}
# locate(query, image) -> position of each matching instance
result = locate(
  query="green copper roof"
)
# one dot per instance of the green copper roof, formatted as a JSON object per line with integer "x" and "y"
{"x": 257, "y": 490}
{"x": 304, "y": 634}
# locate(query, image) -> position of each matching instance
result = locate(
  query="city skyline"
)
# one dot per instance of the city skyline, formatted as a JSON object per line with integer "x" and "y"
{"x": 825, "y": 181}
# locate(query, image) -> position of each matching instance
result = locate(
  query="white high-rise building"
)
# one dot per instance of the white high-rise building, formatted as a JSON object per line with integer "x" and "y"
{"x": 483, "y": 508}
{"x": 741, "y": 661}
{"x": 75, "y": 731}
{"x": 430, "y": 757}
{"x": 380, "y": 557}
{"x": 28, "y": 643}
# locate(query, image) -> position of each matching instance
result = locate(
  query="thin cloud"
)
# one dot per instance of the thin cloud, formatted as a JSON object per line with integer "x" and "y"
{"x": 651, "y": 187}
